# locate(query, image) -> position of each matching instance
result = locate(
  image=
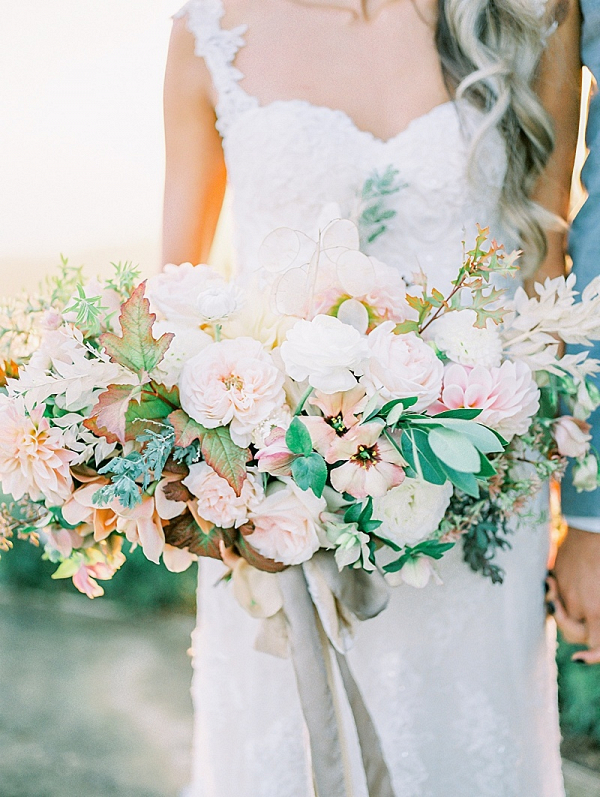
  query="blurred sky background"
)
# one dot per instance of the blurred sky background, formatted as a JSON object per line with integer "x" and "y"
{"x": 81, "y": 136}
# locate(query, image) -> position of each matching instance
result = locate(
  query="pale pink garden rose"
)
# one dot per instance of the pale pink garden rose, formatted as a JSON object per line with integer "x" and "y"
{"x": 508, "y": 396}
{"x": 33, "y": 459}
{"x": 401, "y": 366}
{"x": 235, "y": 383}
{"x": 572, "y": 437}
{"x": 372, "y": 465}
{"x": 340, "y": 411}
{"x": 324, "y": 351}
{"x": 216, "y": 500}
{"x": 286, "y": 524}
{"x": 276, "y": 458}
{"x": 176, "y": 290}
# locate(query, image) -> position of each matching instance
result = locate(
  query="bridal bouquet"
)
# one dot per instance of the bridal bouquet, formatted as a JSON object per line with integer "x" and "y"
{"x": 339, "y": 409}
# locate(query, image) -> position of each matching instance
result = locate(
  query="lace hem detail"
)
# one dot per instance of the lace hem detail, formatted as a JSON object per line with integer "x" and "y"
{"x": 219, "y": 47}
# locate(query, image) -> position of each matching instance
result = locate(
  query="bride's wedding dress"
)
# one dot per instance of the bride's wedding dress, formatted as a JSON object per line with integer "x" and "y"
{"x": 459, "y": 678}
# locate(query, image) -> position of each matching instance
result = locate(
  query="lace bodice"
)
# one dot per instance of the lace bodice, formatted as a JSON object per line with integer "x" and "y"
{"x": 287, "y": 159}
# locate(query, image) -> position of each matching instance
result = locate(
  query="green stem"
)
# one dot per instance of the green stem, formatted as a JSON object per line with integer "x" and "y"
{"x": 218, "y": 328}
{"x": 303, "y": 401}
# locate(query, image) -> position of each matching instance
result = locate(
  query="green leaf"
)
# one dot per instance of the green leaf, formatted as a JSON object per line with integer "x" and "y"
{"x": 301, "y": 473}
{"x": 186, "y": 429}
{"x": 484, "y": 439}
{"x": 487, "y": 470}
{"x": 465, "y": 414}
{"x": 352, "y": 514}
{"x": 318, "y": 473}
{"x": 417, "y": 451}
{"x": 298, "y": 438}
{"x": 136, "y": 348}
{"x": 464, "y": 481}
{"x": 227, "y": 459}
{"x": 406, "y": 326}
{"x": 367, "y": 512}
{"x": 108, "y": 417}
{"x": 454, "y": 450}
{"x": 151, "y": 410}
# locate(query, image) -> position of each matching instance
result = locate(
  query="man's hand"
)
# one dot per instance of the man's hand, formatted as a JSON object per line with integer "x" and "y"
{"x": 574, "y": 592}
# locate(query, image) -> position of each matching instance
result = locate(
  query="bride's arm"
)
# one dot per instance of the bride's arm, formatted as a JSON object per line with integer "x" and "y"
{"x": 195, "y": 168}
{"x": 559, "y": 88}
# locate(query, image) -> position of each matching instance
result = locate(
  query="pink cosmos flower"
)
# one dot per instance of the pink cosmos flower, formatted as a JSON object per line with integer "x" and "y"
{"x": 340, "y": 412}
{"x": 276, "y": 458}
{"x": 372, "y": 465}
{"x": 508, "y": 396}
{"x": 33, "y": 459}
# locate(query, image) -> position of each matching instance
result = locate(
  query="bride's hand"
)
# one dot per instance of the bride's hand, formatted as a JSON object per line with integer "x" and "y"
{"x": 228, "y": 555}
{"x": 574, "y": 592}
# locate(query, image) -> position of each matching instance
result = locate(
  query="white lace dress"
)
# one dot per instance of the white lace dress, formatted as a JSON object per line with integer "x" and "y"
{"x": 459, "y": 678}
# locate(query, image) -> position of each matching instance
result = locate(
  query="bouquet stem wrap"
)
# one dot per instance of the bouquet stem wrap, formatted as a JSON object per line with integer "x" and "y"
{"x": 365, "y": 595}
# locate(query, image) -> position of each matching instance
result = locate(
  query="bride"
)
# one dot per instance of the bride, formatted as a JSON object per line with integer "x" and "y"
{"x": 310, "y": 99}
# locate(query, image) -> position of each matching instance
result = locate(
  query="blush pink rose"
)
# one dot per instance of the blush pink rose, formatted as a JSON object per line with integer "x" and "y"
{"x": 235, "y": 383}
{"x": 508, "y": 396}
{"x": 276, "y": 458}
{"x": 216, "y": 500}
{"x": 286, "y": 524}
{"x": 401, "y": 366}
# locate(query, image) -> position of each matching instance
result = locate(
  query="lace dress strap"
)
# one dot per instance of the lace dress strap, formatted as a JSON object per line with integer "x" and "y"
{"x": 219, "y": 47}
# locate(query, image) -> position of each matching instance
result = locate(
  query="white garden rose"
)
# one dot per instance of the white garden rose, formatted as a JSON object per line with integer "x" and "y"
{"x": 572, "y": 437}
{"x": 235, "y": 383}
{"x": 326, "y": 352}
{"x": 412, "y": 511}
{"x": 286, "y": 524}
{"x": 455, "y": 335}
{"x": 401, "y": 366}
{"x": 189, "y": 340}
{"x": 175, "y": 291}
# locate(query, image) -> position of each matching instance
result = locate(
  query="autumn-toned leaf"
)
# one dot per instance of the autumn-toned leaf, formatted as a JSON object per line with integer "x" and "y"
{"x": 186, "y": 429}
{"x": 481, "y": 306}
{"x": 152, "y": 408}
{"x": 108, "y": 417}
{"x": 252, "y": 556}
{"x": 136, "y": 349}
{"x": 184, "y": 532}
{"x": 222, "y": 454}
{"x": 177, "y": 491}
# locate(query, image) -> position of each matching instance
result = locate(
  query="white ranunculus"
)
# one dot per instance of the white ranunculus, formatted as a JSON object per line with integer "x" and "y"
{"x": 233, "y": 383}
{"x": 455, "y": 335}
{"x": 175, "y": 291}
{"x": 217, "y": 303}
{"x": 585, "y": 474}
{"x": 412, "y": 511}
{"x": 572, "y": 437}
{"x": 326, "y": 352}
{"x": 189, "y": 340}
{"x": 401, "y": 366}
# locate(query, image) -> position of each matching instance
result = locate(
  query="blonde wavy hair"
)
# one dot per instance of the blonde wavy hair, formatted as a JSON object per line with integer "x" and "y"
{"x": 490, "y": 52}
